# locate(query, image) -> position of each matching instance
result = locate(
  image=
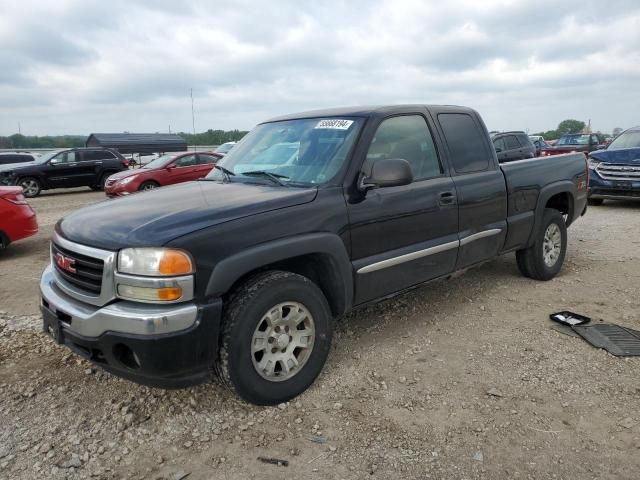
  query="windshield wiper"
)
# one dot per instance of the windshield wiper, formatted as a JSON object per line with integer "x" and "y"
{"x": 227, "y": 173}
{"x": 274, "y": 177}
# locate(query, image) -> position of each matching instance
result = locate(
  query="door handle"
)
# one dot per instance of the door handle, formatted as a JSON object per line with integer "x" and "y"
{"x": 447, "y": 198}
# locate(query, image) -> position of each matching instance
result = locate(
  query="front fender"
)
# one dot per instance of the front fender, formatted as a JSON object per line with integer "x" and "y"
{"x": 231, "y": 269}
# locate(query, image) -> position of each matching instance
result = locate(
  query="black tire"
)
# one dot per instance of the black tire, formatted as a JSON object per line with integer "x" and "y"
{"x": 4, "y": 240}
{"x": 595, "y": 202}
{"x": 242, "y": 316}
{"x": 103, "y": 179}
{"x": 148, "y": 185}
{"x": 531, "y": 261}
{"x": 31, "y": 186}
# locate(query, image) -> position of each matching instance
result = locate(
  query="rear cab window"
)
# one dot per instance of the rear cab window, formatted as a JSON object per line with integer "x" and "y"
{"x": 466, "y": 143}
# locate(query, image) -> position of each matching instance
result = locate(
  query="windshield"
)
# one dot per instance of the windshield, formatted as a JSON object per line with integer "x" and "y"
{"x": 577, "y": 139}
{"x": 628, "y": 139}
{"x": 160, "y": 161}
{"x": 45, "y": 157}
{"x": 224, "y": 148}
{"x": 307, "y": 151}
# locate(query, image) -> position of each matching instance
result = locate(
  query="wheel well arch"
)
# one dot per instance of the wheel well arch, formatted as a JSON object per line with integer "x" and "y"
{"x": 317, "y": 267}
{"x": 321, "y": 257}
{"x": 564, "y": 203}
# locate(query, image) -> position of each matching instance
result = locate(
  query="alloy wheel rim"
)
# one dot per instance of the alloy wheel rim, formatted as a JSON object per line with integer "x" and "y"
{"x": 551, "y": 245}
{"x": 283, "y": 341}
{"x": 149, "y": 186}
{"x": 30, "y": 187}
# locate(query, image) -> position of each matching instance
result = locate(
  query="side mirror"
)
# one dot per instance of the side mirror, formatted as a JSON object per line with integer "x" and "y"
{"x": 54, "y": 161}
{"x": 498, "y": 149}
{"x": 387, "y": 172}
{"x": 170, "y": 167}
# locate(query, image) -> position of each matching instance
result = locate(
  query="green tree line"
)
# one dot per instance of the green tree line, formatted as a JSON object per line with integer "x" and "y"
{"x": 565, "y": 127}
{"x": 18, "y": 141}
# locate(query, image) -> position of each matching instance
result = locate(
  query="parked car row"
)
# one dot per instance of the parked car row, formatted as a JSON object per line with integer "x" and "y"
{"x": 168, "y": 169}
{"x": 71, "y": 167}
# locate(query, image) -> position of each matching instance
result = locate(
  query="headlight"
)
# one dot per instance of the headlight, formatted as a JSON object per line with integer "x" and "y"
{"x": 154, "y": 262}
{"x": 154, "y": 275}
{"x": 126, "y": 180}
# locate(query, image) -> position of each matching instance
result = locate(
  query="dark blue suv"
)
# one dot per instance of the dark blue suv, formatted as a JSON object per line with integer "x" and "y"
{"x": 615, "y": 172}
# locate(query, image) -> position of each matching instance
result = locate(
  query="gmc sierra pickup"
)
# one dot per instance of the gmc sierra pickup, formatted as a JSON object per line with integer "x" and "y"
{"x": 242, "y": 273}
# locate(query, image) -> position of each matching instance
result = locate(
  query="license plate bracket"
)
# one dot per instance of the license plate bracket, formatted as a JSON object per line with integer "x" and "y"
{"x": 51, "y": 326}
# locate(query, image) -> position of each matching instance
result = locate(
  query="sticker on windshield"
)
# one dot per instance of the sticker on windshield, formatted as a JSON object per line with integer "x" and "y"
{"x": 335, "y": 124}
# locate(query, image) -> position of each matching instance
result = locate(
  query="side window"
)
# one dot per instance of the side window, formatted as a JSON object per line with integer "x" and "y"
{"x": 499, "y": 144}
{"x": 92, "y": 155}
{"x": 512, "y": 142}
{"x": 466, "y": 142}
{"x": 594, "y": 139}
{"x": 206, "y": 159}
{"x": 67, "y": 157}
{"x": 186, "y": 161}
{"x": 406, "y": 137}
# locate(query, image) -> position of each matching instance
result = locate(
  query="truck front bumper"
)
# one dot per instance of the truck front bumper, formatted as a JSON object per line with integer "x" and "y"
{"x": 170, "y": 346}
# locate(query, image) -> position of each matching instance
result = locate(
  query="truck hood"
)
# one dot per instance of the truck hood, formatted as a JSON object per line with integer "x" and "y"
{"x": 627, "y": 156}
{"x": 156, "y": 217}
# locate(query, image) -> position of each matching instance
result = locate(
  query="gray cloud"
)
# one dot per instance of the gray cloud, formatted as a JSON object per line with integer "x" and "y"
{"x": 77, "y": 67}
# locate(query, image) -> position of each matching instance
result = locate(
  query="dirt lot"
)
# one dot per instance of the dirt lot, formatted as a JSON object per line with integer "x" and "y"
{"x": 459, "y": 379}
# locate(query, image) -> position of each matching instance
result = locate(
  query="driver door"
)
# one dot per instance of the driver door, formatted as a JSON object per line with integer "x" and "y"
{"x": 183, "y": 169}
{"x": 64, "y": 170}
{"x": 405, "y": 235}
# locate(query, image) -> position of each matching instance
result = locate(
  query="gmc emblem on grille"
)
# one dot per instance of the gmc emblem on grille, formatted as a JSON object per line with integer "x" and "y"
{"x": 65, "y": 263}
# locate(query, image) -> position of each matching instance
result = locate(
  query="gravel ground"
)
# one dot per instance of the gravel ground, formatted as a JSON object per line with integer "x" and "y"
{"x": 459, "y": 379}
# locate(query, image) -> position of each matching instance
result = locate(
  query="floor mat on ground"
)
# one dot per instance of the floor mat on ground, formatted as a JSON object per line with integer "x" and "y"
{"x": 617, "y": 340}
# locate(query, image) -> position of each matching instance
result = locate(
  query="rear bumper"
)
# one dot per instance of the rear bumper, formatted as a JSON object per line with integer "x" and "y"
{"x": 143, "y": 348}
{"x": 24, "y": 226}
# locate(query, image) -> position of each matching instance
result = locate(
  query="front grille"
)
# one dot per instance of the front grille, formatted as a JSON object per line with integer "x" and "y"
{"x": 610, "y": 171}
{"x": 88, "y": 270}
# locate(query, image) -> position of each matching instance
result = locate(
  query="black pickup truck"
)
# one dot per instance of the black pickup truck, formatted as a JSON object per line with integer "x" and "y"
{"x": 243, "y": 273}
{"x": 71, "y": 167}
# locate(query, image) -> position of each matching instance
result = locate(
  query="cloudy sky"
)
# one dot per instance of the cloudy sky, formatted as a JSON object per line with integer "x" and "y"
{"x": 120, "y": 65}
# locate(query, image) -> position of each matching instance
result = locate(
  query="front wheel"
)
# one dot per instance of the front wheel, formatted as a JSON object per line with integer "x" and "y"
{"x": 544, "y": 259}
{"x": 149, "y": 185}
{"x": 275, "y": 339}
{"x": 31, "y": 186}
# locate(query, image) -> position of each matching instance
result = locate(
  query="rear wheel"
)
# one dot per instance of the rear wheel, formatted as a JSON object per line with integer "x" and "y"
{"x": 544, "y": 259}
{"x": 148, "y": 185}
{"x": 595, "y": 202}
{"x": 275, "y": 338}
{"x": 31, "y": 186}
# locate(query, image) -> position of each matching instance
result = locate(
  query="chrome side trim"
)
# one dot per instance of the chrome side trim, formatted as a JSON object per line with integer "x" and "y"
{"x": 479, "y": 235}
{"x": 121, "y": 316}
{"x": 390, "y": 262}
{"x": 107, "y": 292}
{"x": 408, "y": 257}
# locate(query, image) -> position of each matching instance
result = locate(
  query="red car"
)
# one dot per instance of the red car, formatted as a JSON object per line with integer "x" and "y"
{"x": 17, "y": 218}
{"x": 166, "y": 170}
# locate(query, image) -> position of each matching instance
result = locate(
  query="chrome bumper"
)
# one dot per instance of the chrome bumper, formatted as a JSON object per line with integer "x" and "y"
{"x": 121, "y": 316}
